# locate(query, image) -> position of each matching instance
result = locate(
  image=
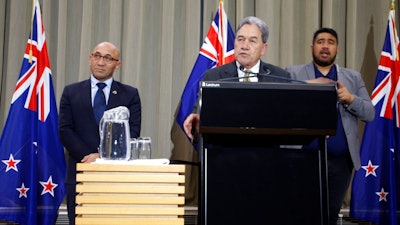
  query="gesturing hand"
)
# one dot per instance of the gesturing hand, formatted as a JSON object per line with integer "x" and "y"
{"x": 344, "y": 95}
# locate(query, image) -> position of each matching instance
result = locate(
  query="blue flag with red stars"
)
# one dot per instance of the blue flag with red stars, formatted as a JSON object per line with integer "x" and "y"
{"x": 376, "y": 186}
{"x": 32, "y": 170}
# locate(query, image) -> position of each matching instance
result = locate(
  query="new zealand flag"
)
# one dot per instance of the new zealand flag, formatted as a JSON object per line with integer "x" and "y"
{"x": 32, "y": 167}
{"x": 217, "y": 49}
{"x": 376, "y": 186}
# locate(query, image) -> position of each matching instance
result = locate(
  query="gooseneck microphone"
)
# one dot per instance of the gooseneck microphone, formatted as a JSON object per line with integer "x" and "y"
{"x": 236, "y": 78}
{"x": 241, "y": 68}
{"x": 268, "y": 74}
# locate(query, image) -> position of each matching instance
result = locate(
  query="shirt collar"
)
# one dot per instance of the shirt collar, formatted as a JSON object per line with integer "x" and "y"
{"x": 254, "y": 69}
{"x": 94, "y": 81}
{"x": 332, "y": 74}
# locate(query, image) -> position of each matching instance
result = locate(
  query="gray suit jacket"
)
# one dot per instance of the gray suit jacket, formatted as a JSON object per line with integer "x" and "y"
{"x": 361, "y": 108}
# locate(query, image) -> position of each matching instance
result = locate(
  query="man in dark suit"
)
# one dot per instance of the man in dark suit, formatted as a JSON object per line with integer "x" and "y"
{"x": 78, "y": 127}
{"x": 250, "y": 44}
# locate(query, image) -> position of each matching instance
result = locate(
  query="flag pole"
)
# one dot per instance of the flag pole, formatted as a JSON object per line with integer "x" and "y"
{"x": 30, "y": 39}
{"x": 221, "y": 2}
{"x": 392, "y": 7}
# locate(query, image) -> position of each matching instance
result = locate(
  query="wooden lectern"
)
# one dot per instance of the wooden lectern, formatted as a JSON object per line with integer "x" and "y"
{"x": 252, "y": 167}
{"x": 130, "y": 194}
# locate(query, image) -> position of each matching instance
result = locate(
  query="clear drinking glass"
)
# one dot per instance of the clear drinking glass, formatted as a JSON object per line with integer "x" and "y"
{"x": 144, "y": 146}
{"x": 134, "y": 149}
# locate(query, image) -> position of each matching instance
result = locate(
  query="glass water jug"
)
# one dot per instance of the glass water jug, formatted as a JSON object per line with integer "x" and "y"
{"x": 115, "y": 135}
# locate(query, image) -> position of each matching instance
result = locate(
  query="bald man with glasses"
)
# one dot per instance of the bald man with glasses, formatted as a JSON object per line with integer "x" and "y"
{"x": 81, "y": 110}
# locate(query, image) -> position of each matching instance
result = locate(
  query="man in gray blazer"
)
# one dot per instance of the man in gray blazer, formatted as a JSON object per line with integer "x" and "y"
{"x": 343, "y": 149}
{"x": 78, "y": 126}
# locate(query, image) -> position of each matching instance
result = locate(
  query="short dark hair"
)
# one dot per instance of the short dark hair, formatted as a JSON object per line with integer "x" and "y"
{"x": 326, "y": 30}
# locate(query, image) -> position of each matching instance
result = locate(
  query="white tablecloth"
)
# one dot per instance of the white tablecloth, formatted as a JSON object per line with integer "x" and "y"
{"x": 151, "y": 162}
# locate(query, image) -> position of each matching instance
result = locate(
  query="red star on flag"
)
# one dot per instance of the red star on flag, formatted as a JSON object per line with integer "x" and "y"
{"x": 22, "y": 191}
{"x": 370, "y": 169}
{"x": 48, "y": 187}
{"x": 382, "y": 195}
{"x": 11, "y": 163}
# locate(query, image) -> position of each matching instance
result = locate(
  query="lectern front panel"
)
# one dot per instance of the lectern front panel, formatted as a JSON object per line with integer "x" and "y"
{"x": 268, "y": 108}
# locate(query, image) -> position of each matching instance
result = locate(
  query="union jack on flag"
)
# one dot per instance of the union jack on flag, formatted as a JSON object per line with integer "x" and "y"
{"x": 32, "y": 167}
{"x": 217, "y": 49}
{"x": 376, "y": 186}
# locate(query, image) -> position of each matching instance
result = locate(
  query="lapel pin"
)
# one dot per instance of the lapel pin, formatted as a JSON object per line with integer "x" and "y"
{"x": 114, "y": 92}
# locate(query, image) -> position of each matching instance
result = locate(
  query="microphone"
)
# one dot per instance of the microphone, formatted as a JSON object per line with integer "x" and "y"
{"x": 268, "y": 74}
{"x": 236, "y": 78}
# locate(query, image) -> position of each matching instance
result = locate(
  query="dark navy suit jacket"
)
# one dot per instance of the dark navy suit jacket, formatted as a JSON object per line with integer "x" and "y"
{"x": 78, "y": 130}
{"x": 230, "y": 71}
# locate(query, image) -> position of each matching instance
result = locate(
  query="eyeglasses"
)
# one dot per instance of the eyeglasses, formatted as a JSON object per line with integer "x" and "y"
{"x": 107, "y": 58}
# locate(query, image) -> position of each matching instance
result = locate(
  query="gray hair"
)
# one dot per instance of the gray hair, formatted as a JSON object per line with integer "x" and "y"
{"x": 258, "y": 22}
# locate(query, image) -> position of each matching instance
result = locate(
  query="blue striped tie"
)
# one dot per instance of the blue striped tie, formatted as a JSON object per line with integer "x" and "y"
{"x": 99, "y": 104}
